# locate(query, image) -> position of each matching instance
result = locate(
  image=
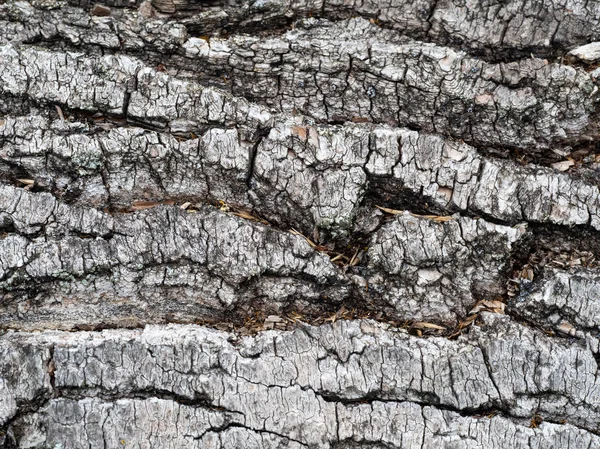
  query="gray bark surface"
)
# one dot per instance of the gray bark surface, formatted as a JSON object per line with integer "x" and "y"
{"x": 323, "y": 385}
{"x": 348, "y": 70}
{"x": 494, "y": 30}
{"x": 314, "y": 224}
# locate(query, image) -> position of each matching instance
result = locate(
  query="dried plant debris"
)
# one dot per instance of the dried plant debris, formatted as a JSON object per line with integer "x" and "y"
{"x": 160, "y": 262}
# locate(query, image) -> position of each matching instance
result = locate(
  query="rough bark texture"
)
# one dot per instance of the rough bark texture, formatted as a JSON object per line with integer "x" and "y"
{"x": 314, "y": 224}
{"x": 324, "y": 386}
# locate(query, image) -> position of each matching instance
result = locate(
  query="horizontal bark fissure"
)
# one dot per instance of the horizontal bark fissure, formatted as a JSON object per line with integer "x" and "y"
{"x": 127, "y": 261}
{"x": 346, "y": 398}
{"x": 452, "y": 24}
{"x": 470, "y": 187}
{"x": 76, "y": 394}
{"x": 69, "y": 34}
{"x": 502, "y": 110}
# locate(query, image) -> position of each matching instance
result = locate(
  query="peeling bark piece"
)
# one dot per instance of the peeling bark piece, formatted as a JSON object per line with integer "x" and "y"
{"x": 589, "y": 53}
{"x": 314, "y": 380}
{"x": 64, "y": 267}
{"x": 167, "y": 424}
{"x": 120, "y": 85}
{"x": 436, "y": 270}
{"x": 299, "y": 176}
{"x": 28, "y": 22}
{"x": 337, "y": 71}
{"x": 567, "y": 301}
{"x": 116, "y": 168}
{"x": 69, "y": 79}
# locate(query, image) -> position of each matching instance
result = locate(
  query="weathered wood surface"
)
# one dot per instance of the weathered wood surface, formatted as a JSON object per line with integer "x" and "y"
{"x": 323, "y": 224}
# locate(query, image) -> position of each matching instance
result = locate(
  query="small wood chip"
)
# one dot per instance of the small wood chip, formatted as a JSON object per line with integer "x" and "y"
{"x": 300, "y": 132}
{"x": 390, "y": 211}
{"x": 563, "y": 165}
{"x": 424, "y": 325}
{"x": 146, "y": 10}
{"x": 536, "y": 421}
{"x": 274, "y": 322}
{"x": 141, "y": 205}
{"x": 564, "y": 152}
{"x": 224, "y": 207}
{"x": 488, "y": 306}
{"x": 60, "y": 113}
{"x": 529, "y": 274}
{"x": 566, "y": 328}
{"x": 100, "y": 10}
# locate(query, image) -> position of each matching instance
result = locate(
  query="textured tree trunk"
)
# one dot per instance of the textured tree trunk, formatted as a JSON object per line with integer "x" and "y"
{"x": 299, "y": 224}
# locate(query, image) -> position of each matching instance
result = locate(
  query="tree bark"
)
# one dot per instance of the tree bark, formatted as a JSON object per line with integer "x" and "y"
{"x": 317, "y": 224}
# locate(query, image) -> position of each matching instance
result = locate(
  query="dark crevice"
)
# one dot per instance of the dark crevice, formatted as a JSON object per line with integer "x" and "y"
{"x": 489, "y": 411}
{"x": 358, "y": 303}
{"x": 261, "y": 134}
{"x": 261, "y": 21}
{"x": 582, "y": 149}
